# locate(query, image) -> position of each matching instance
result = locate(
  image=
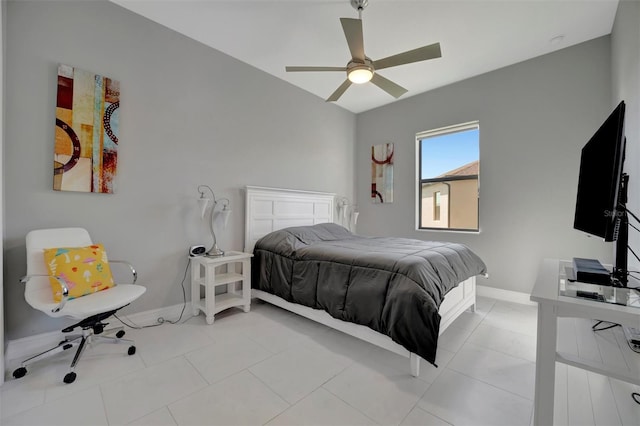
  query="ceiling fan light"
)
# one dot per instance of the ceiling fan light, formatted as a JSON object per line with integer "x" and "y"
{"x": 360, "y": 75}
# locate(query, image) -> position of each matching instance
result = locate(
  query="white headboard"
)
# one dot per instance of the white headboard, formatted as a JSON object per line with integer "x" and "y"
{"x": 271, "y": 209}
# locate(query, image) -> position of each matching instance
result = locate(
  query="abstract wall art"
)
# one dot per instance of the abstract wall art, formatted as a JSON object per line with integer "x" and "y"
{"x": 382, "y": 173}
{"x": 86, "y": 142}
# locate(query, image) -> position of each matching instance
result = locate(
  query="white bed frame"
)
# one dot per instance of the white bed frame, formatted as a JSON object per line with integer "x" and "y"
{"x": 271, "y": 209}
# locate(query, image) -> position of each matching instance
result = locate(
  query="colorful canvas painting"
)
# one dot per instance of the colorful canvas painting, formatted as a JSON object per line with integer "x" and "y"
{"x": 86, "y": 145}
{"x": 382, "y": 173}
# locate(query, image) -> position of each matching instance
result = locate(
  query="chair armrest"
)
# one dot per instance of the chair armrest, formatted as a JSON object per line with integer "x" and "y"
{"x": 133, "y": 270}
{"x": 61, "y": 281}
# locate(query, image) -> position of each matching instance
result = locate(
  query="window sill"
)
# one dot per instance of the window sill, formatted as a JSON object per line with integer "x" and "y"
{"x": 457, "y": 231}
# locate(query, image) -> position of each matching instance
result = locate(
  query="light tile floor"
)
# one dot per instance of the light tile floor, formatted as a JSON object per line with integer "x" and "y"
{"x": 272, "y": 367}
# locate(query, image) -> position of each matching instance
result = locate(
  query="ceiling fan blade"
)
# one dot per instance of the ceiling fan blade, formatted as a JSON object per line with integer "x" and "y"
{"x": 339, "y": 91}
{"x": 353, "y": 32}
{"x": 416, "y": 55}
{"x": 299, "y": 69}
{"x": 388, "y": 86}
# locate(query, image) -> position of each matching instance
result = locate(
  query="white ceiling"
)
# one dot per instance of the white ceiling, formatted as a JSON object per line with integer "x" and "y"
{"x": 476, "y": 36}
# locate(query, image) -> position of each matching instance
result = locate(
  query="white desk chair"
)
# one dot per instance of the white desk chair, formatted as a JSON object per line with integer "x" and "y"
{"x": 91, "y": 309}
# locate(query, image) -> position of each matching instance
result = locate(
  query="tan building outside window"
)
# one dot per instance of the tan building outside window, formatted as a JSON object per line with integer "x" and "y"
{"x": 436, "y": 205}
{"x": 448, "y": 178}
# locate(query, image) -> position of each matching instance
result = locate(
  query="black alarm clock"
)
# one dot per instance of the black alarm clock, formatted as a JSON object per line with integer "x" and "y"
{"x": 195, "y": 251}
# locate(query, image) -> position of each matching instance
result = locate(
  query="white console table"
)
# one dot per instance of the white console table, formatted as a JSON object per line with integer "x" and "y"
{"x": 552, "y": 305}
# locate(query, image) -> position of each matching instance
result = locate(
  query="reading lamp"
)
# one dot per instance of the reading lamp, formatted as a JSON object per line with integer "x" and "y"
{"x": 203, "y": 201}
{"x": 347, "y": 213}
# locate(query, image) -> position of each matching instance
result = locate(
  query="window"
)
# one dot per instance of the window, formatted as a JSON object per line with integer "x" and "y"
{"x": 448, "y": 177}
{"x": 436, "y": 206}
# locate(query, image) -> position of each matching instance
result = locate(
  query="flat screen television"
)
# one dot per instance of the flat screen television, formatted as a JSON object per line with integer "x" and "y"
{"x": 601, "y": 198}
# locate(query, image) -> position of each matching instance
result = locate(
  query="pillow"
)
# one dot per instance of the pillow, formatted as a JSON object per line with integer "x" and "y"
{"x": 85, "y": 269}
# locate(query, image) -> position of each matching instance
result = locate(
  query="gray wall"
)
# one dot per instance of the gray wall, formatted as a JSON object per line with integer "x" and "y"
{"x": 190, "y": 115}
{"x": 625, "y": 59}
{"x": 534, "y": 118}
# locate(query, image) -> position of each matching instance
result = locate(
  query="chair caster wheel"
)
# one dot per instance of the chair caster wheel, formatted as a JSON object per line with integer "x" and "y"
{"x": 132, "y": 350}
{"x": 69, "y": 377}
{"x": 19, "y": 372}
{"x": 119, "y": 334}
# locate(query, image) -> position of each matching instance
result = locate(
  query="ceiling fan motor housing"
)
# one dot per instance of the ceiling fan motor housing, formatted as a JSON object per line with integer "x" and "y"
{"x": 359, "y": 4}
{"x": 360, "y": 72}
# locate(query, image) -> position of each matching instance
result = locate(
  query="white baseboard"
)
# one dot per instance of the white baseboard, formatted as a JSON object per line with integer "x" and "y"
{"x": 506, "y": 295}
{"x": 30, "y": 345}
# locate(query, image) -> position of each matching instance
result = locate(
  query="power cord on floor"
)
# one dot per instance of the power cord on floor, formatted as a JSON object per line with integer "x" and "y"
{"x": 611, "y": 325}
{"x": 161, "y": 320}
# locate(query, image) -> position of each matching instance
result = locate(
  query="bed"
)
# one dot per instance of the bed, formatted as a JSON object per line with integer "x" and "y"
{"x": 298, "y": 229}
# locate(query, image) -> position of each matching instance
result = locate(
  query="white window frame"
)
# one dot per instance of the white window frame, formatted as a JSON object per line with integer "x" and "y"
{"x": 437, "y": 132}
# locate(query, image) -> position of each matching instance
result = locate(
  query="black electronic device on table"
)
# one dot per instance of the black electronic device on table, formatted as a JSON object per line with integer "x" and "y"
{"x": 602, "y": 197}
{"x": 590, "y": 271}
{"x": 592, "y": 295}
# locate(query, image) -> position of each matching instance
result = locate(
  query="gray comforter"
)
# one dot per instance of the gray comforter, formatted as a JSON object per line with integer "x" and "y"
{"x": 392, "y": 285}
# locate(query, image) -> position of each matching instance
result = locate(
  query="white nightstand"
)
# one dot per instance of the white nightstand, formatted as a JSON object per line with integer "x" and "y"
{"x": 233, "y": 270}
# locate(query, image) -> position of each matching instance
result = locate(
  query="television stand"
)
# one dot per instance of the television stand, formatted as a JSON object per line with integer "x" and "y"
{"x": 552, "y": 293}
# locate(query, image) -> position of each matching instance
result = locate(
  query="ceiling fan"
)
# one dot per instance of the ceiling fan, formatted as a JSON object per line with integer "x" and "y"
{"x": 361, "y": 69}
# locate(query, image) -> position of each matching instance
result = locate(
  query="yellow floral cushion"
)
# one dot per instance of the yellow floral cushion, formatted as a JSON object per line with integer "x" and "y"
{"x": 85, "y": 269}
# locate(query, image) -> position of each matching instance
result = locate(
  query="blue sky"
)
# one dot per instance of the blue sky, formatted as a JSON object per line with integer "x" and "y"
{"x": 447, "y": 152}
